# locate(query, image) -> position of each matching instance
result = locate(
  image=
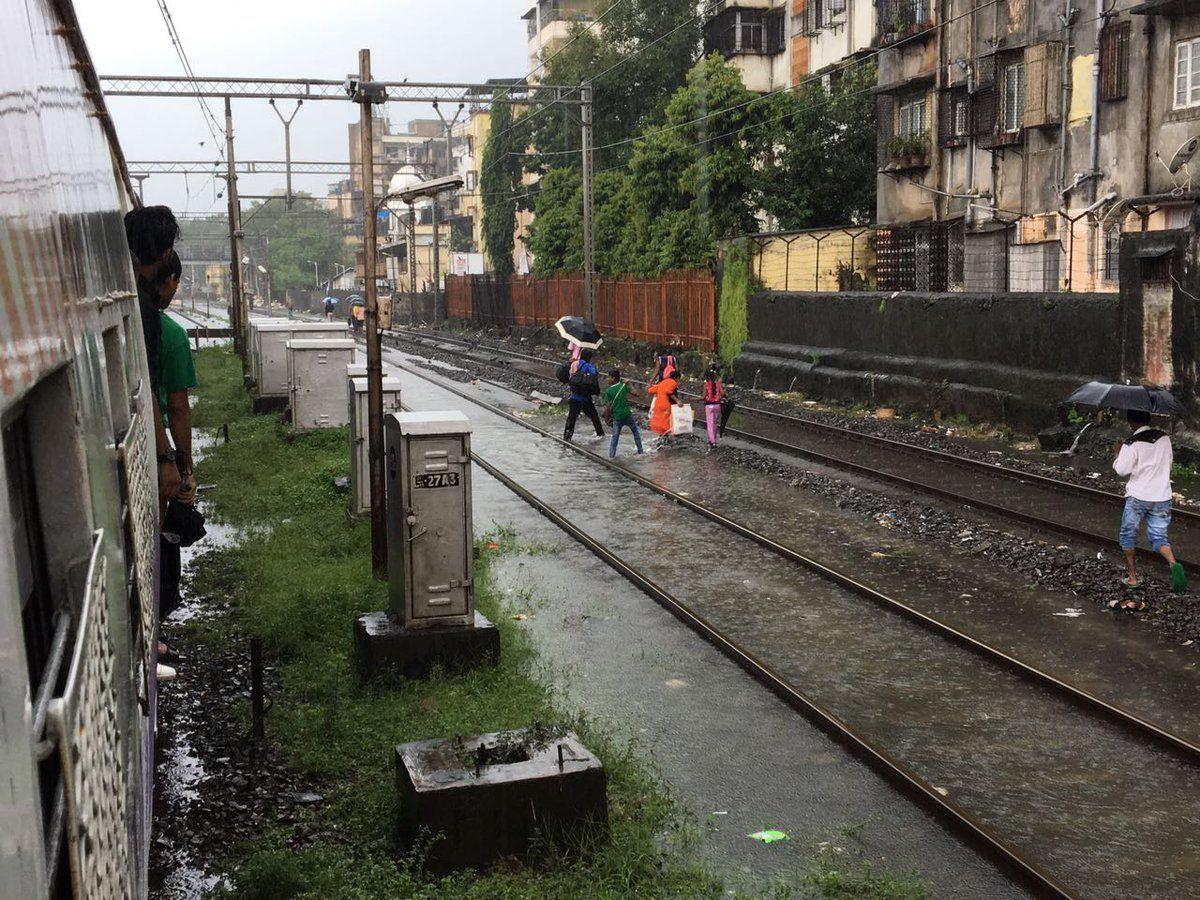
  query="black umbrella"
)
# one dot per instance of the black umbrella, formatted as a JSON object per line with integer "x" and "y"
{"x": 578, "y": 330}
{"x": 1128, "y": 396}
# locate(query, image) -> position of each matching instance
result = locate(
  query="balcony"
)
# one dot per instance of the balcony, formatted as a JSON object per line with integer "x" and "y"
{"x": 738, "y": 30}
{"x": 906, "y": 153}
{"x": 900, "y": 19}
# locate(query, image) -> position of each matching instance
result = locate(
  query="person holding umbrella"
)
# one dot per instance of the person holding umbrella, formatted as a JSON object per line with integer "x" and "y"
{"x": 1145, "y": 460}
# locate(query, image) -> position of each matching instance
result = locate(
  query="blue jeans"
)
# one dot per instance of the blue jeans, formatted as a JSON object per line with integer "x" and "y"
{"x": 1157, "y": 517}
{"x": 619, "y": 424}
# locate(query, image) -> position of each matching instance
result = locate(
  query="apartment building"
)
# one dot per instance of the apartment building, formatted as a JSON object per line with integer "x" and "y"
{"x": 1019, "y": 138}
{"x": 752, "y": 36}
{"x": 825, "y": 34}
{"x": 548, "y": 25}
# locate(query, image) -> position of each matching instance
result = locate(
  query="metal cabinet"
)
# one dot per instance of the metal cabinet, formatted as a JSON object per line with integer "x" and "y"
{"x": 270, "y": 350}
{"x": 316, "y": 375}
{"x": 360, "y": 465}
{"x": 430, "y": 532}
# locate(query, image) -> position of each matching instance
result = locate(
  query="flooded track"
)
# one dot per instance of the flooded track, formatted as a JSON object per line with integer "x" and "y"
{"x": 1064, "y": 787}
{"x": 1046, "y": 503}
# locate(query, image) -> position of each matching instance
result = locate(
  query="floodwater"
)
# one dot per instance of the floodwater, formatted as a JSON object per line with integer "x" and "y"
{"x": 1104, "y": 812}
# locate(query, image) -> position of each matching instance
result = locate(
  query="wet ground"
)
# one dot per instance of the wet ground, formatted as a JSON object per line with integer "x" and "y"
{"x": 1031, "y": 766}
{"x": 736, "y": 755}
{"x": 213, "y": 785}
{"x": 1088, "y": 578}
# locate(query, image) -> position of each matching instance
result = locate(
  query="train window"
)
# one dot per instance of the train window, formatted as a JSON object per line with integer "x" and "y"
{"x": 38, "y": 609}
{"x": 134, "y": 379}
{"x": 118, "y": 388}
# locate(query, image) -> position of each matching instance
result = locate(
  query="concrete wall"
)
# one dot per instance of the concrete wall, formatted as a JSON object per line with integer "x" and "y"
{"x": 1004, "y": 357}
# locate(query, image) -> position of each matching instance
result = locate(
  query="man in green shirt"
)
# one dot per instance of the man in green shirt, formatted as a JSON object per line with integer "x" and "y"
{"x": 617, "y": 399}
{"x": 178, "y": 376}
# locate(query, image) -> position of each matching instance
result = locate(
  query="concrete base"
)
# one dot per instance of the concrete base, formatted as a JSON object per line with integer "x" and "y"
{"x": 382, "y": 645}
{"x": 486, "y": 813}
{"x": 262, "y": 405}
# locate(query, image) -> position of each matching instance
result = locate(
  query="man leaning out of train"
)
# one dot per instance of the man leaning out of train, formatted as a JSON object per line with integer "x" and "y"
{"x": 151, "y": 232}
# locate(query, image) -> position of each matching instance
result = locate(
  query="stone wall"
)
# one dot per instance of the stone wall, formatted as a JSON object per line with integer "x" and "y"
{"x": 1003, "y": 357}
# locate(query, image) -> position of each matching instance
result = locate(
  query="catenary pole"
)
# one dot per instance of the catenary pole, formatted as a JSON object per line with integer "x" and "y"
{"x": 589, "y": 248}
{"x": 237, "y": 297}
{"x": 370, "y": 291}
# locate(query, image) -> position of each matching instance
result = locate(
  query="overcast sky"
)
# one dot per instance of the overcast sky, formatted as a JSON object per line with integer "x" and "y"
{"x": 421, "y": 40}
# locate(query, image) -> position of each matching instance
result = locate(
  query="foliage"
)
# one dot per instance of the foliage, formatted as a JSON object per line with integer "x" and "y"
{"x": 296, "y": 238}
{"x": 823, "y": 171}
{"x": 633, "y": 95}
{"x": 499, "y": 182}
{"x": 689, "y": 184}
{"x": 732, "y": 327}
{"x": 720, "y": 158}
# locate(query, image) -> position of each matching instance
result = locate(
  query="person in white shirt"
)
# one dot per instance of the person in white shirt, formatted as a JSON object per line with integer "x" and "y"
{"x": 1145, "y": 459}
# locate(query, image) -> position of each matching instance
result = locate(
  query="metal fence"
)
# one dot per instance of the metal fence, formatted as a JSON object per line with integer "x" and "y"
{"x": 1043, "y": 253}
{"x": 820, "y": 259}
{"x": 675, "y": 308}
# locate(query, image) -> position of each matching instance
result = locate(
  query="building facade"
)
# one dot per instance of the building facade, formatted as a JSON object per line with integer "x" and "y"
{"x": 548, "y": 26}
{"x": 1018, "y": 139}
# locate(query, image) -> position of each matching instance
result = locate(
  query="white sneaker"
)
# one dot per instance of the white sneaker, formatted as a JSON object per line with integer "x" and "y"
{"x": 165, "y": 673}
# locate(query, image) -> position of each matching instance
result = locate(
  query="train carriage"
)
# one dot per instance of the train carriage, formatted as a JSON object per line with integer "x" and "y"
{"x": 78, "y": 496}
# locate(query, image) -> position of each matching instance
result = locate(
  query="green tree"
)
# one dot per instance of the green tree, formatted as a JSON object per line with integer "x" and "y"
{"x": 295, "y": 239}
{"x": 637, "y": 59}
{"x": 732, "y": 327}
{"x": 499, "y": 181}
{"x": 556, "y": 236}
{"x": 700, "y": 176}
{"x": 825, "y": 165}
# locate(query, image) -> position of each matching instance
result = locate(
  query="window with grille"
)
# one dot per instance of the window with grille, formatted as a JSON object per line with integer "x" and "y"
{"x": 954, "y": 122}
{"x": 750, "y": 26}
{"x": 1012, "y": 111}
{"x": 1114, "y": 61}
{"x": 1187, "y": 74}
{"x": 1112, "y": 254}
{"x": 912, "y": 120}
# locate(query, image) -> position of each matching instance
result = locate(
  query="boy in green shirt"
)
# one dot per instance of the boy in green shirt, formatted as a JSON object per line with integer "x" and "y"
{"x": 617, "y": 399}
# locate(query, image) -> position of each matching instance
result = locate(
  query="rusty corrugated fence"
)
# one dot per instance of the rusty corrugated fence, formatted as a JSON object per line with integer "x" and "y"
{"x": 676, "y": 308}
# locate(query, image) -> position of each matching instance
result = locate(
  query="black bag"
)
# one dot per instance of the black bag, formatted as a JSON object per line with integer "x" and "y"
{"x": 563, "y": 373}
{"x": 586, "y": 383}
{"x": 183, "y": 525}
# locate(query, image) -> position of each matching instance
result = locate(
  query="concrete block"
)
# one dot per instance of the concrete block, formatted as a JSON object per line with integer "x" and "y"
{"x": 479, "y": 807}
{"x": 382, "y": 645}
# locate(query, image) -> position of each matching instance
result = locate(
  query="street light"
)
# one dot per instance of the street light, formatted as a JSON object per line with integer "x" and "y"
{"x": 316, "y": 273}
{"x": 422, "y": 190}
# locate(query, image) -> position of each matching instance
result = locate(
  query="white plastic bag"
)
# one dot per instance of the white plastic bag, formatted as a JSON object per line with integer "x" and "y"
{"x": 681, "y": 419}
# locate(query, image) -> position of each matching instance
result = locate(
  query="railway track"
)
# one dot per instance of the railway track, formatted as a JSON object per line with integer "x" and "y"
{"x": 1077, "y": 511}
{"x": 960, "y": 818}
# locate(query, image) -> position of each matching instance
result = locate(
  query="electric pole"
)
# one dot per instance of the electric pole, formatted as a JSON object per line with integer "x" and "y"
{"x": 367, "y": 95}
{"x": 238, "y": 312}
{"x": 287, "y": 145}
{"x": 439, "y": 306}
{"x": 412, "y": 261}
{"x": 589, "y": 249}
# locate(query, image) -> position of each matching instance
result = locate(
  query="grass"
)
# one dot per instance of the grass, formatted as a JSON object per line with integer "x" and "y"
{"x": 298, "y": 581}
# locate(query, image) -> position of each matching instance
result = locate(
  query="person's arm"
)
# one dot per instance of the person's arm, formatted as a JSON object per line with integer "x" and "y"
{"x": 1126, "y": 458}
{"x": 168, "y": 473}
{"x": 179, "y": 415}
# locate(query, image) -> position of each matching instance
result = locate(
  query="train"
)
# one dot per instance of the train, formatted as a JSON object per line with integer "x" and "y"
{"x": 79, "y": 494}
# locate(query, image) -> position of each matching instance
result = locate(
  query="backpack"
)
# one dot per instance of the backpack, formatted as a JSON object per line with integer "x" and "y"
{"x": 563, "y": 373}
{"x": 584, "y": 383}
